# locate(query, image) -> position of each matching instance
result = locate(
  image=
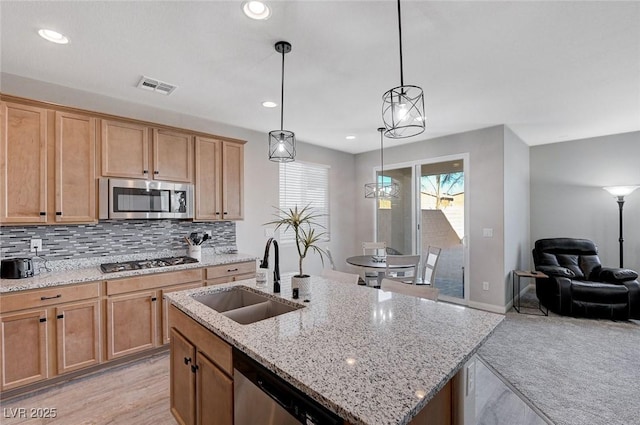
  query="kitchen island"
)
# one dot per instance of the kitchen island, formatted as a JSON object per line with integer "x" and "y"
{"x": 371, "y": 357}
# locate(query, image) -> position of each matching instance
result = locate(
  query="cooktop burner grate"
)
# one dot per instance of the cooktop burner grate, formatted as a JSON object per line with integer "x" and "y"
{"x": 145, "y": 264}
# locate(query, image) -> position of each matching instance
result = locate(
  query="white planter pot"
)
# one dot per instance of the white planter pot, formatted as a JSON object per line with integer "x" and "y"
{"x": 303, "y": 283}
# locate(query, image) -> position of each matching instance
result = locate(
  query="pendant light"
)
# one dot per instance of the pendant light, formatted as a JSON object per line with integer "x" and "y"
{"x": 403, "y": 106}
{"x": 282, "y": 143}
{"x": 380, "y": 189}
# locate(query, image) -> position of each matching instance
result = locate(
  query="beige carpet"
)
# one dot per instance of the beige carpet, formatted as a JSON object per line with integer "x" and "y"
{"x": 576, "y": 371}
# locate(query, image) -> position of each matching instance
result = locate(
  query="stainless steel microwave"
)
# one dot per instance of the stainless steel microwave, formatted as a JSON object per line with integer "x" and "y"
{"x": 147, "y": 199}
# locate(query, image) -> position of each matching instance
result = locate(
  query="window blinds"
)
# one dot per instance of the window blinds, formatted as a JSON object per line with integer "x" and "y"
{"x": 302, "y": 184}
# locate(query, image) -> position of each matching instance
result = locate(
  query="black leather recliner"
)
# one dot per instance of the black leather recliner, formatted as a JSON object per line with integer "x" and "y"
{"x": 578, "y": 285}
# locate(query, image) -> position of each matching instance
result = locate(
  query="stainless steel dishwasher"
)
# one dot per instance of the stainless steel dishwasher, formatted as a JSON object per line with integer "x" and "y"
{"x": 262, "y": 398}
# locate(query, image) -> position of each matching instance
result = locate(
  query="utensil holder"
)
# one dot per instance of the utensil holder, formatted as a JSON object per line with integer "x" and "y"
{"x": 195, "y": 251}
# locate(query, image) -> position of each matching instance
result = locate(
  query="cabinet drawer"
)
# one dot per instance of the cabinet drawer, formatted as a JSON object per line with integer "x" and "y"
{"x": 48, "y": 296}
{"x": 131, "y": 284}
{"x": 233, "y": 269}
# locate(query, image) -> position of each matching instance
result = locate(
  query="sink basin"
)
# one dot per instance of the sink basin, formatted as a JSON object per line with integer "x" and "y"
{"x": 260, "y": 311}
{"x": 236, "y": 297}
{"x": 245, "y": 306}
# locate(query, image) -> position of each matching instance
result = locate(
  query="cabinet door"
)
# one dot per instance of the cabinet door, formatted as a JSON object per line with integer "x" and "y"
{"x": 75, "y": 168}
{"x": 23, "y": 164}
{"x": 23, "y": 349}
{"x": 172, "y": 156}
{"x": 165, "y": 307}
{"x": 214, "y": 391}
{"x": 131, "y": 323}
{"x": 125, "y": 150}
{"x": 78, "y": 335}
{"x": 208, "y": 185}
{"x": 182, "y": 379}
{"x": 232, "y": 181}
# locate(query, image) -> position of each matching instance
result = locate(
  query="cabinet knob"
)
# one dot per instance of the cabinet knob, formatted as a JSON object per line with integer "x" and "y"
{"x": 42, "y": 213}
{"x": 156, "y": 172}
{"x": 194, "y": 368}
{"x": 43, "y": 319}
{"x": 60, "y": 316}
{"x": 58, "y": 212}
{"x": 217, "y": 212}
{"x": 145, "y": 171}
{"x": 225, "y": 213}
{"x": 154, "y": 299}
{"x": 187, "y": 360}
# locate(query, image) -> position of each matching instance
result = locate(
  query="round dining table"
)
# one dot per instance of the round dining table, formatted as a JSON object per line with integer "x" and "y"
{"x": 370, "y": 262}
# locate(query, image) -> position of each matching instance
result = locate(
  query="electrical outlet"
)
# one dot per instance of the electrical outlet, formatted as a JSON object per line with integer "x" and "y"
{"x": 36, "y": 244}
{"x": 485, "y": 286}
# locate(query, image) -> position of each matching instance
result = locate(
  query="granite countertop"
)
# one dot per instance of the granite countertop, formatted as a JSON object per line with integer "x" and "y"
{"x": 372, "y": 357}
{"x": 93, "y": 273}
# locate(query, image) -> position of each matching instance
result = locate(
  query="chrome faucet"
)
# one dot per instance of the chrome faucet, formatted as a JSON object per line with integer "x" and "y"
{"x": 276, "y": 269}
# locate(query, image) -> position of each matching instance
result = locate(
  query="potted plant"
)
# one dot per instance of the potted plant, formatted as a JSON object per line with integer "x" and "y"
{"x": 303, "y": 223}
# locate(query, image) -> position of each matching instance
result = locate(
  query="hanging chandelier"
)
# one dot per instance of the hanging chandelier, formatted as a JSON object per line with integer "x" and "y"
{"x": 381, "y": 189}
{"x": 282, "y": 143}
{"x": 403, "y": 106}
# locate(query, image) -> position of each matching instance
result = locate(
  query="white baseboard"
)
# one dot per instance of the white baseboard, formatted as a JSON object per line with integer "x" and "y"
{"x": 489, "y": 307}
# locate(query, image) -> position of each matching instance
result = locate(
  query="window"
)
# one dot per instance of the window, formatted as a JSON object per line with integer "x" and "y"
{"x": 302, "y": 184}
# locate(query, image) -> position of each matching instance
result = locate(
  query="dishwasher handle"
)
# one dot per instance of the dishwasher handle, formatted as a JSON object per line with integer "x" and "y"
{"x": 276, "y": 394}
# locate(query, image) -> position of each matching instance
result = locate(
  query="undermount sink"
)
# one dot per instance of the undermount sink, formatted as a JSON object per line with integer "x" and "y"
{"x": 244, "y": 306}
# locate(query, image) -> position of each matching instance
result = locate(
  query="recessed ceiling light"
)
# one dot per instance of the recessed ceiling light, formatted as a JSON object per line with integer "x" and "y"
{"x": 269, "y": 104}
{"x": 350, "y": 137}
{"x": 256, "y": 9}
{"x": 53, "y": 36}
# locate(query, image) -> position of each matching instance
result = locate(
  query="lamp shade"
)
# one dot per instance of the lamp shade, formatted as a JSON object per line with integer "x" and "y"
{"x": 620, "y": 191}
{"x": 282, "y": 146}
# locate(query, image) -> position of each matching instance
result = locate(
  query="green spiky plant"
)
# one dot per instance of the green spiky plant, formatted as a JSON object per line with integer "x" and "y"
{"x": 302, "y": 222}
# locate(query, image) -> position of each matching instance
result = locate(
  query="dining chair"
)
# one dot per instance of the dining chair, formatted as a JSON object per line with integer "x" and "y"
{"x": 431, "y": 256}
{"x": 399, "y": 267}
{"x": 372, "y": 248}
{"x": 340, "y": 276}
{"x": 421, "y": 291}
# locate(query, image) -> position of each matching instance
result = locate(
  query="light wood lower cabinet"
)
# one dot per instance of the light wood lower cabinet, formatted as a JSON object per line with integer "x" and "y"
{"x": 31, "y": 350}
{"x": 23, "y": 352}
{"x": 201, "y": 374}
{"x": 233, "y": 272}
{"x": 78, "y": 335}
{"x": 132, "y": 321}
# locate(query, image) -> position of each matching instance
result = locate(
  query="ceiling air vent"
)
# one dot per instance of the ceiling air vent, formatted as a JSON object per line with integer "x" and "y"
{"x": 157, "y": 86}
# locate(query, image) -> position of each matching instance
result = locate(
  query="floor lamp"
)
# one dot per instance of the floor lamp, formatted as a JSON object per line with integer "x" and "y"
{"x": 620, "y": 192}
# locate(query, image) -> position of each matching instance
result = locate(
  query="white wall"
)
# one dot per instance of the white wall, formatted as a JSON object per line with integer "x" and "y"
{"x": 486, "y": 201}
{"x": 567, "y": 199}
{"x": 517, "y": 253}
{"x": 260, "y": 174}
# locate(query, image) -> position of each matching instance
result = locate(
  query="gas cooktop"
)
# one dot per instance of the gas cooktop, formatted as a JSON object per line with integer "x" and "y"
{"x": 145, "y": 264}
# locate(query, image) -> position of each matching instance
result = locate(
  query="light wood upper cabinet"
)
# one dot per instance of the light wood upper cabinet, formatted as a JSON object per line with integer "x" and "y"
{"x": 172, "y": 156}
{"x": 45, "y": 182}
{"x": 125, "y": 150}
{"x": 23, "y": 164}
{"x": 219, "y": 180}
{"x": 129, "y": 151}
{"x": 75, "y": 157}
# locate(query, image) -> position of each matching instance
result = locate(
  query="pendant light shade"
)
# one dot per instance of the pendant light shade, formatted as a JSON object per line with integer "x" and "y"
{"x": 403, "y": 106}
{"x": 381, "y": 189}
{"x": 282, "y": 143}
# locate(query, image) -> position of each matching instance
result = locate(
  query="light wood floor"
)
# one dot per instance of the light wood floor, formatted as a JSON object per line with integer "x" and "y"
{"x": 136, "y": 393}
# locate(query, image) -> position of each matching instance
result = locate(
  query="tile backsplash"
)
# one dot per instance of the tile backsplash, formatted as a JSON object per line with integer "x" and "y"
{"x": 111, "y": 237}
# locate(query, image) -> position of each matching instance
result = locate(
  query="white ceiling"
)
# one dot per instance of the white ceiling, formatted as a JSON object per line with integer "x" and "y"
{"x": 551, "y": 71}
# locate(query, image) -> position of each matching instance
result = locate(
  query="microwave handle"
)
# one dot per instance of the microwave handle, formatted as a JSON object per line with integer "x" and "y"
{"x": 103, "y": 199}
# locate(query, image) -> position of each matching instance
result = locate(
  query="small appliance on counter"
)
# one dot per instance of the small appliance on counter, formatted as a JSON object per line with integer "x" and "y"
{"x": 16, "y": 268}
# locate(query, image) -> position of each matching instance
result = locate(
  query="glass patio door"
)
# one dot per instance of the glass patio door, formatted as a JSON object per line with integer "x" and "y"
{"x": 430, "y": 211}
{"x": 441, "y": 218}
